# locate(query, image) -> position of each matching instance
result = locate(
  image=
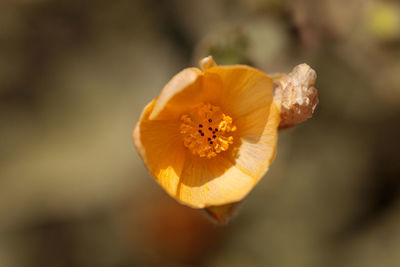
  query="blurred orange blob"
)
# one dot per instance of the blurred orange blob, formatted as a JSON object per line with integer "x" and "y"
{"x": 211, "y": 134}
{"x": 171, "y": 233}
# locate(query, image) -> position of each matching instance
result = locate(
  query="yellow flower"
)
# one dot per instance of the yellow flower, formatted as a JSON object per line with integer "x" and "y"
{"x": 210, "y": 135}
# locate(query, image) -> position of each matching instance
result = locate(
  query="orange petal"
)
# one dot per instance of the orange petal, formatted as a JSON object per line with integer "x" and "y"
{"x": 179, "y": 94}
{"x": 160, "y": 145}
{"x": 259, "y": 136}
{"x": 238, "y": 89}
{"x": 212, "y": 182}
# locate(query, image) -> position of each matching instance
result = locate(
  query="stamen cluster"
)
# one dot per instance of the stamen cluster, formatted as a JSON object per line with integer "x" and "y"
{"x": 206, "y": 130}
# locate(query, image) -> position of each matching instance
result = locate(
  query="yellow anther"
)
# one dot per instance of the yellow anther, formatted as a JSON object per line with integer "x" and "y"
{"x": 206, "y": 130}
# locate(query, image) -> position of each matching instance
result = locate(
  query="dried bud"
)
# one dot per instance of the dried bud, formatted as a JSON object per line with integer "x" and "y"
{"x": 297, "y": 95}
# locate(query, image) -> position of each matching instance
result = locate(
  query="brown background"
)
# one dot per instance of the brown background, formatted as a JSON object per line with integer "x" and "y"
{"x": 74, "y": 76}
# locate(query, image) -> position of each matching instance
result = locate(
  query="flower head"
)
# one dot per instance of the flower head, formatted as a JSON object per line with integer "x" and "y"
{"x": 211, "y": 134}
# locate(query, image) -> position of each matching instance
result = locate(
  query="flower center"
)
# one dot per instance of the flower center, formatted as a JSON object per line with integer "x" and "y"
{"x": 206, "y": 130}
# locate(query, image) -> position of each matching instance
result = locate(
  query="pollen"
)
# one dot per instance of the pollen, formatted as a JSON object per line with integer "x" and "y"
{"x": 206, "y": 130}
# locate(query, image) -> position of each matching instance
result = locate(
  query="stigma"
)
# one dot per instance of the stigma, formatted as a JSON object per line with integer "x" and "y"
{"x": 206, "y": 130}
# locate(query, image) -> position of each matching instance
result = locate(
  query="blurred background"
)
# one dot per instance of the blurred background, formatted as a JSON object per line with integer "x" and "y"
{"x": 75, "y": 75}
